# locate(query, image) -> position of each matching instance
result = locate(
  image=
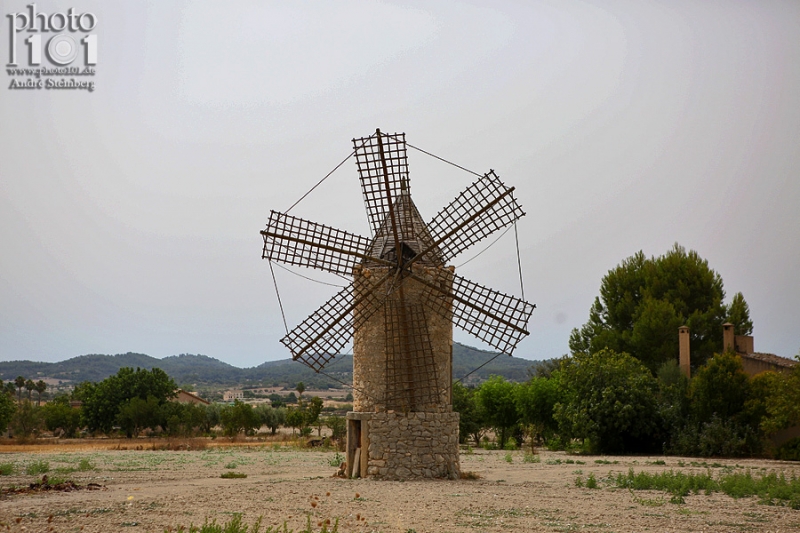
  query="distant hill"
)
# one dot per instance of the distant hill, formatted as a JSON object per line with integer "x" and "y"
{"x": 204, "y": 370}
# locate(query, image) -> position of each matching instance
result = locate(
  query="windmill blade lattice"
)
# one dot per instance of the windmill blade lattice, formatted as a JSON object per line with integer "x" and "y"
{"x": 382, "y": 162}
{"x": 402, "y": 247}
{"x": 295, "y": 241}
{"x": 497, "y": 319}
{"x": 322, "y": 336}
{"x": 481, "y": 209}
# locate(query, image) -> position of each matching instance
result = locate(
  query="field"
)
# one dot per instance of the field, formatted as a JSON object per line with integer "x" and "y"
{"x": 152, "y": 490}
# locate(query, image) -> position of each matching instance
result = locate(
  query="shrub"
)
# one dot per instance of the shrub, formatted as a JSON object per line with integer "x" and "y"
{"x": 496, "y": 398}
{"x": 233, "y": 475}
{"x": 719, "y": 388}
{"x": 789, "y": 450}
{"x": 772, "y": 488}
{"x": 37, "y": 467}
{"x": 610, "y": 400}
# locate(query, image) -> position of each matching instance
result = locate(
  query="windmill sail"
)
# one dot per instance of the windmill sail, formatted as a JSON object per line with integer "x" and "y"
{"x": 496, "y": 318}
{"x": 382, "y": 164}
{"x": 295, "y": 241}
{"x": 401, "y": 239}
{"x": 481, "y": 209}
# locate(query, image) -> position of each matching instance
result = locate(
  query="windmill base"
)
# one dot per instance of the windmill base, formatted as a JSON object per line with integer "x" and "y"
{"x": 391, "y": 445}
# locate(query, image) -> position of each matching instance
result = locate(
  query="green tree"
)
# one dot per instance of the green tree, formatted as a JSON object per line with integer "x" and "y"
{"x": 102, "y": 401}
{"x": 136, "y": 414}
{"x": 738, "y": 314}
{"x": 271, "y": 417}
{"x": 30, "y": 386}
{"x": 724, "y": 418}
{"x": 182, "y": 419}
{"x": 59, "y": 415}
{"x": 41, "y": 386}
{"x": 471, "y": 420}
{"x": 643, "y": 302}
{"x": 295, "y": 418}
{"x": 238, "y": 418}
{"x": 496, "y": 398}
{"x": 211, "y": 417}
{"x": 780, "y": 396}
{"x": 536, "y": 401}
{"x": 673, "y": 399}
{"x": 20, "y": 383}
{"x": 312, "y": 411}
{"x": 610, "y": 399}
{"x": 301, "y": 388}
{"x": 27, "y": 419}
{"x": 7, "y": 410}
{"x": 337, "y": 425}
{"x": 720, "y": 387}
{"x": 767, "y": 390}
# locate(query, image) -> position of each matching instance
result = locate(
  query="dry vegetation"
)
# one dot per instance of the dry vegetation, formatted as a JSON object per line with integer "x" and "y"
{"x": 154, "y": 490}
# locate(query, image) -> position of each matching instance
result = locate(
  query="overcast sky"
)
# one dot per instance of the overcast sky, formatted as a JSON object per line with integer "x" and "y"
{"x": 129, "y": 216}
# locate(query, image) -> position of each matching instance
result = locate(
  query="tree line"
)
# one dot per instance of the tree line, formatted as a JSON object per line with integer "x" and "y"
{"x": 610, "y": 402}
{"x": 620, "y": 389}
{"x": 133, "y": 402}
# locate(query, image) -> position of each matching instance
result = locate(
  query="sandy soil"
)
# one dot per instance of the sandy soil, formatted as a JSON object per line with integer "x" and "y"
{"x": 156, "y": 490}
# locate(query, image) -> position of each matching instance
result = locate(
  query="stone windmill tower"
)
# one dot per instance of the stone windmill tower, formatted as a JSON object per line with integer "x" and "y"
{"x": 400, "y": 309}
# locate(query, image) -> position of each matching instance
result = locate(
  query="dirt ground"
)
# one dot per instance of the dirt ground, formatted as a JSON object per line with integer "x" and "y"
{"x": 155, "y": 490}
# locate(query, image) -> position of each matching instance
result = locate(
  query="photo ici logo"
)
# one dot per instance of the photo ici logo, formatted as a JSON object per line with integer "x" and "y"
{"x": 61, "y": 38}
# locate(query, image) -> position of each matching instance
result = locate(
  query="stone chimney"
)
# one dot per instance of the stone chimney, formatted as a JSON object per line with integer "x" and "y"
{"x": 728, "y": 338}
{"x": 685, "y": 358}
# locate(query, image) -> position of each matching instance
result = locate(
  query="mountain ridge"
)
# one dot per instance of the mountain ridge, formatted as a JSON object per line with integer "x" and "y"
{"x": 203, "y": 369}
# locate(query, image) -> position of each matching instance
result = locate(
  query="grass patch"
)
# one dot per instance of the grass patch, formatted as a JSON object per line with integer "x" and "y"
{"x": 37, "y": 467}
{"x": 7, "y": 469}
{"x": 648, "y": 502}
{"x": 531, "y": 458}
{"x": 233, "y": 475}
{"x": 771, "y": 489}
{"x": 605, "y": 462}
{"x": 231, "y": 465}
{"x": 336, "y": 460}
{"x": 509, "y": 458}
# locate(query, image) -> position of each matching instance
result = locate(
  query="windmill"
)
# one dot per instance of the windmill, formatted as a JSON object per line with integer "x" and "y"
{"x": 399, "y": 308}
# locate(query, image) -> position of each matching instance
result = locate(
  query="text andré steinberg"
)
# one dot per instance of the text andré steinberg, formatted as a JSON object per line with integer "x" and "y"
{"x": 59, "y": 37}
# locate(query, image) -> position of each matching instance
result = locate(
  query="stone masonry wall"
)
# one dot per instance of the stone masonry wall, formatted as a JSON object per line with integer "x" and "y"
{"x": 413, "y": 445}
{"x": 369, "y": 343}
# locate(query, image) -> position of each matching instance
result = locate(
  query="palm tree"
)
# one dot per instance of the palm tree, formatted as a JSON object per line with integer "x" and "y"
{"x": 19, "y": 382}
{"x": 41, "y": 386}
{"x": 30, "y": 385}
